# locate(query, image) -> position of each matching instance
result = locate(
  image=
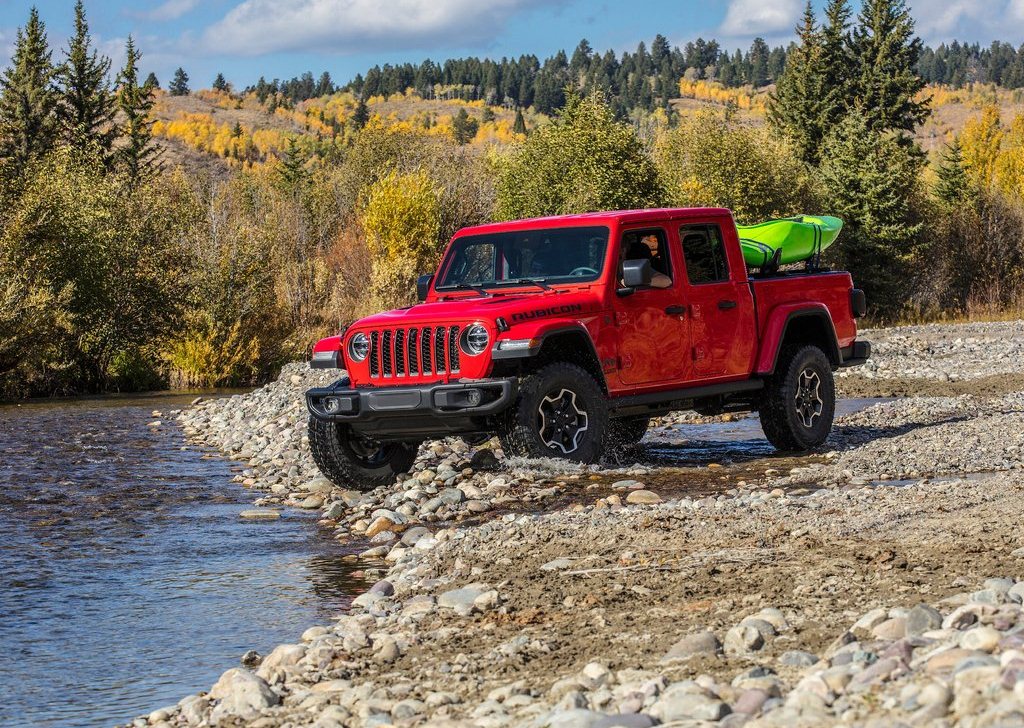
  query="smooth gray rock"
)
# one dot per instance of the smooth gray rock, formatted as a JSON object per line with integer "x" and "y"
{"x": 798, "y": 658}
{"x": 414, "y": 534}
{"x": 696, "y": 643}
{"x": 463, "y": 598}
{"x": 922, "y": 618}
{"x": 743, "y": 639}
{"x": 241, "y": 693}
{"x": 684, "y": 705}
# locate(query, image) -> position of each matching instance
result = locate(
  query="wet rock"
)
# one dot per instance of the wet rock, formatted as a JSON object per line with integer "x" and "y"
{"x": 483, "y": 460}
{"x": 335, "y": 511}
{"x": 311, "y": 502}
{"x": 260, "y": 514}
{"x": 628, "y": 484}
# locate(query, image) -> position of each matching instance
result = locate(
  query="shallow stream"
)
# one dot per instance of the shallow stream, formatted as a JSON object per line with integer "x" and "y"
{"x": 127, "y": 580}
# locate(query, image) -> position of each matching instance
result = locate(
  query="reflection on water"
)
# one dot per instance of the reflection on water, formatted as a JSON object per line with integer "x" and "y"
{"x": 126, "y": 578}
{"x": 724, "y": 443}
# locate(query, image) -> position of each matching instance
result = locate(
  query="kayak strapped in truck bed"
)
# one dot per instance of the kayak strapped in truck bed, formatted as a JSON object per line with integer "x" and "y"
{"x": 793, "y": 239}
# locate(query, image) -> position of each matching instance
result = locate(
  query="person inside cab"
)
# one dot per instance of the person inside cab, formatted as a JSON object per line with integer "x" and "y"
{"x": 646, "y": 246}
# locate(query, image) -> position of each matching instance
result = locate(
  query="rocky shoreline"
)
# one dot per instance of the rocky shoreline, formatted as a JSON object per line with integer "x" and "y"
{"x": 877, "y": 582}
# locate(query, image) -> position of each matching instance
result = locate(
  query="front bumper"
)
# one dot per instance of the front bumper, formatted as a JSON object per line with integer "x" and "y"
{"x": 414, "y": 409}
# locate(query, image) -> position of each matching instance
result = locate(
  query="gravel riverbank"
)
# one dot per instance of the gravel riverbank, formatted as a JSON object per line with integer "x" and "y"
{"x": 877, "y": 582}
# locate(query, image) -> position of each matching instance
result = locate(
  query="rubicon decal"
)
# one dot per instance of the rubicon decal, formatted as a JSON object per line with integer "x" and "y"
{"x": 544, "y": 312}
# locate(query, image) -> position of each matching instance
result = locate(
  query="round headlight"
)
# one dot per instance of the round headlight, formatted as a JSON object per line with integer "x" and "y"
{"x": 475, "y": 339}
{"x": 359, "y": 347}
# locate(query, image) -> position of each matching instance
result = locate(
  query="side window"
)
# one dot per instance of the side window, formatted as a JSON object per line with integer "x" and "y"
{"x": 704, "y": 253}
{"x": 650, "y": 244}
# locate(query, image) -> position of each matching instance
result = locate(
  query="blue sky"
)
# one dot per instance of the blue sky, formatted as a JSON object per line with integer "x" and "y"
{"x": 282, "y": 38}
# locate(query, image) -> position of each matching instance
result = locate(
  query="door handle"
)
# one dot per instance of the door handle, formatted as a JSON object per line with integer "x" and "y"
{"x": 726, "y": 304}
{"x": 675, "y": 310}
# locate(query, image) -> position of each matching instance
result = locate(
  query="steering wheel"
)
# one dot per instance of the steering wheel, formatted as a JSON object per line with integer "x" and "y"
{"x": 583, "y": 271}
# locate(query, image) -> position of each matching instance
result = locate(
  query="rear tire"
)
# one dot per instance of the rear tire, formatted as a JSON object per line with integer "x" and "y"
{"x": 626, "y": 431}
{"x": 799, "y": 401}
{"x": 351, "y": 461}
{"x": 560, "y": 412}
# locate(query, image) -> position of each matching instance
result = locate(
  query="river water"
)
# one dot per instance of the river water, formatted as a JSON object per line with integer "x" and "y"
{"x": 127, "y": 579}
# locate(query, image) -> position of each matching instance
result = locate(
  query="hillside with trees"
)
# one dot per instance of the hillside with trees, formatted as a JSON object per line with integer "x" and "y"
{"x": 177, "y": 236}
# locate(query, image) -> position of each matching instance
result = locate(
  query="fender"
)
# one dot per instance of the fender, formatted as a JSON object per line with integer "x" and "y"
{"x": 327, "y": 354}
{"x": 526, "y": 340}
{"x": 778, "y": 324}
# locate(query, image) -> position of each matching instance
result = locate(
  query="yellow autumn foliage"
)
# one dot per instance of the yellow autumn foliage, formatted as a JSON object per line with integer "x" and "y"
{"x": 401, "y": 216}
{"x": 743, "y": 98}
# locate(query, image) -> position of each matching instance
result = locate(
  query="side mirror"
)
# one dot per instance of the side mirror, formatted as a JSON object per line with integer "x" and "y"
{"x": 637, "y": 273}
{"x": 423, "y": 286}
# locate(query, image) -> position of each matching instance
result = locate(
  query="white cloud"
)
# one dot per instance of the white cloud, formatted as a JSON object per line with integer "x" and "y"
{"x": 767, "y": 18}
{"x": 255, "y": 27}
{"x": 168, "y": 10}
{"x": 971, "y": 20}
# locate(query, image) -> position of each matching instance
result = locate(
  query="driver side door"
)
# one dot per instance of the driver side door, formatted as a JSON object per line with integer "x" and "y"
{"x": 651, "y": 322}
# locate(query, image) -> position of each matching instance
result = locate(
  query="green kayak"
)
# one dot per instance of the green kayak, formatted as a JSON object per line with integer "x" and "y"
{"x": 799, "y": 238}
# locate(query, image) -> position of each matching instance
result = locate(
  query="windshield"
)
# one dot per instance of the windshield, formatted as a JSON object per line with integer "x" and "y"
{"x": 554, "y": 255}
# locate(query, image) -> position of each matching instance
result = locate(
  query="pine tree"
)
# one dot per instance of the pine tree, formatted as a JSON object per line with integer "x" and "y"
{"x": 179, "y": 85}
{"x": 361, "y": 115}
{"x": 152, "y": 81}
{"x": 293, "y": 165}
{"x": 85, "y": 111}
{"x": 219, "y": 84}
{"x": 759, "y": 53}
{"x": 464, "y": 127}
{"x": 137, "y": 156}
{"x": 519, "y": 127}
{"x": 886, "y": 80}
{"x": 795, "y": 107}
{"x": 325, "y": 86}
{"x": 28, "y": 100}
{"x": 837, "y": 68}
{"x": 236, "y": 130}
{"x": 869, "y": 179}
{"x": 953, "y": 186}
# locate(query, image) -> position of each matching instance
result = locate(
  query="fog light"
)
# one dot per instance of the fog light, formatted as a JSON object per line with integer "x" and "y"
{"x": 473, "y": 397}
{"x": 332, "y": 405}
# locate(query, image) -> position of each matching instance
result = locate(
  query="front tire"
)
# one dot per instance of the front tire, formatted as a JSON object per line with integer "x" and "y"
{"x": 351, "y": 461}
{"x": 800, "y": 400}
{"x": 560, "y": 412}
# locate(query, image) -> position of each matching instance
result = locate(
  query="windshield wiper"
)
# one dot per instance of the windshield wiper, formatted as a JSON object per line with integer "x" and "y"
{"x": 539, "y": 282}
{"x": 478, "y": 287}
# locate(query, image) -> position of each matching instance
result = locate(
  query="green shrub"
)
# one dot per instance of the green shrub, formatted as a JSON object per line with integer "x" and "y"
{"x": 584, "y": 160}
{"x": 709, "y": 161}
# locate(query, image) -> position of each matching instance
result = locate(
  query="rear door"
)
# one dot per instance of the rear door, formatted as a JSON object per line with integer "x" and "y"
{"x": 720, "y": 306}
{"x": 651, "y": 321}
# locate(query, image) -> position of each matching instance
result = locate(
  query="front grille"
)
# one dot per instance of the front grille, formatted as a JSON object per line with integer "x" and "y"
{"x": 414, "y": 352}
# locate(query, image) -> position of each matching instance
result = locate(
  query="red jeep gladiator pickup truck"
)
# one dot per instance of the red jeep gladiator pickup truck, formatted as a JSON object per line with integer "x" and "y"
{"x": 565, "y": 335}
